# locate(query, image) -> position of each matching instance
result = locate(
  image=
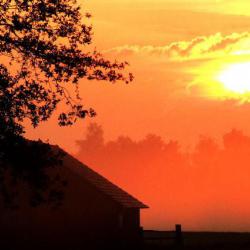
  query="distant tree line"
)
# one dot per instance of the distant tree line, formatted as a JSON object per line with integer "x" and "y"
{"x": 167, "y": 177}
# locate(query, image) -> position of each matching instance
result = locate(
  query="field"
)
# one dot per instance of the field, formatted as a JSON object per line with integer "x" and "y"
{"x": 197, "y": 241}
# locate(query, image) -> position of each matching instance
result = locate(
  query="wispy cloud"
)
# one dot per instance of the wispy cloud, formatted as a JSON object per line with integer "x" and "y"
{"x": 199, "y": 47}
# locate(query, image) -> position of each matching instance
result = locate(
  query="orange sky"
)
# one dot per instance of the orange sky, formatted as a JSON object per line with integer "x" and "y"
{"x": 178, "y": 51}
{"x": 175, "y": 49}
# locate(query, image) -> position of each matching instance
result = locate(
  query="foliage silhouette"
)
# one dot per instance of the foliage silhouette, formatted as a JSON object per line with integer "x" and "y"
{"x": 43, "y": 56}
{"x": 43, "y": 43}
{"x": 30, "y": 170}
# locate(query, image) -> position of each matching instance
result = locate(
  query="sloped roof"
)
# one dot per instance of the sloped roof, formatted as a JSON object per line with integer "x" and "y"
{"x": 108, "y": 188}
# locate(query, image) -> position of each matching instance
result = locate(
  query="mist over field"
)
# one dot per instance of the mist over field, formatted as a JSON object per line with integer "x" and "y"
{"x": 204, "y": 189}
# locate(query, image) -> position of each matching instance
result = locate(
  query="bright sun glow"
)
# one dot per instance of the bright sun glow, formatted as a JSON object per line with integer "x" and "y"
{"x": 236, "y": 78}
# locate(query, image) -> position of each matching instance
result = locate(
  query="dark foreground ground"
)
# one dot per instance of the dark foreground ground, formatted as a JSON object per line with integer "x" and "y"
{"x": 197, "y": 241}
{"x": 160, "y": 240}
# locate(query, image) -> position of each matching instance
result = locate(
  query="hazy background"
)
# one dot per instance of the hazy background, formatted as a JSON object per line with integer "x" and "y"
{"x": 175, "y": 50}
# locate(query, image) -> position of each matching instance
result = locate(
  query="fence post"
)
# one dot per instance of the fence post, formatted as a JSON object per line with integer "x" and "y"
{"x": 178, "y": 235}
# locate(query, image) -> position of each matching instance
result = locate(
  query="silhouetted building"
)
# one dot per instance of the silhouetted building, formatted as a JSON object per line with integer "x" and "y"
{"x": 94, "y": 213}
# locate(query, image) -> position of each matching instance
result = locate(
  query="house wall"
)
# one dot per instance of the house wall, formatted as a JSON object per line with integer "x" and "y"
{"x": 131, "y": 231}
{"x": 87, "y": 219}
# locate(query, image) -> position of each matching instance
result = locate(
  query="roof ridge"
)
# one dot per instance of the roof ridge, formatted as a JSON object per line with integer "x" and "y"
{"x": 112, "y": 190}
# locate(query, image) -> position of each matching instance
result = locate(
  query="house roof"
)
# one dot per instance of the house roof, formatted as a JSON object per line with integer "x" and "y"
{"x": 104, "y": 185}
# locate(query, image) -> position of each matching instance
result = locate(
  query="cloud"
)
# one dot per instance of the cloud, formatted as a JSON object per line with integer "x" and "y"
{"x": 200, "y": 47}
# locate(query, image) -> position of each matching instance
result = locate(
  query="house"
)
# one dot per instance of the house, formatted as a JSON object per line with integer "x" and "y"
{"x": 94, "y": 213}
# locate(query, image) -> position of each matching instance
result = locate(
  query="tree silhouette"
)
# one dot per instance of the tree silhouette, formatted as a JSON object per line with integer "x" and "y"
{"x": 94, "y": 139}
{"x": 43, "y": 51}
{"x": 28, "y": 165}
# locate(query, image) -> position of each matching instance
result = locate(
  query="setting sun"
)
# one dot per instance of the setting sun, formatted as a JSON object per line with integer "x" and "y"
{"x": 236, "y": 78}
